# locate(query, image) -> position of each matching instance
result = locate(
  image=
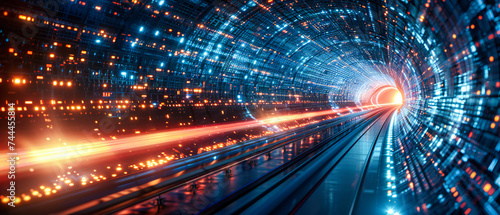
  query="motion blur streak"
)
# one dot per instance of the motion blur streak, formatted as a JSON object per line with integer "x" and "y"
{"x": 113, "y": 147}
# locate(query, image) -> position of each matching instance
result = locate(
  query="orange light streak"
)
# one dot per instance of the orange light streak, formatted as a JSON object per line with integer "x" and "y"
{"x": 52, "y": 155}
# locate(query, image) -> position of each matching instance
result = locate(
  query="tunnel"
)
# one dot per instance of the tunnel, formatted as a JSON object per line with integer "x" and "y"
{"x": 203, "y": 106}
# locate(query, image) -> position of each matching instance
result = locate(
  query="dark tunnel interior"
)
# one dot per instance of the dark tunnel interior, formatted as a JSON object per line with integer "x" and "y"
{"x": 81, "y": 71}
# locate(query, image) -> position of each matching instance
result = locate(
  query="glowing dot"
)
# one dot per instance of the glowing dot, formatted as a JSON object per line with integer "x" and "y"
{"x": 487, "y": 187}
{"x": 467, "y": 211}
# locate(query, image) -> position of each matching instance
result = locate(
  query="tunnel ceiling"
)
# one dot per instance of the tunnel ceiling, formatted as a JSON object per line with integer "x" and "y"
{"x": 323, "y": 46}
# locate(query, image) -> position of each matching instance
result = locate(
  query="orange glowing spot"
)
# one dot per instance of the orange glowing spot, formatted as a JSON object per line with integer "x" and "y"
{"x": 467, "y": 212}
{"x": 492, "y": 58}
{"x": 487, "y": 187}
{"x": 52, "y": 55}
{"x": 473, "y": 175}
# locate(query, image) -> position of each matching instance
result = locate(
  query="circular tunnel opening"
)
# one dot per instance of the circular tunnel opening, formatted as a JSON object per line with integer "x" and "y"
{"x": 389, "y": 95}
{"x": 386, "y": 95}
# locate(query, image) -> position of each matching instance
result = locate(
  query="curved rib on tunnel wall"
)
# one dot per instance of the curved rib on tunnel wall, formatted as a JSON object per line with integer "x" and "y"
{"x": 445, "y": 65}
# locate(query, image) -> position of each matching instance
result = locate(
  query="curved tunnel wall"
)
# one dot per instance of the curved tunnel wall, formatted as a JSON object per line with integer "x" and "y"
{"x": 236, "y": 60}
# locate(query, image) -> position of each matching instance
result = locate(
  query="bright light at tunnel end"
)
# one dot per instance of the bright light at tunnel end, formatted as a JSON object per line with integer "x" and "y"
{"x": 387, "y": 95}
{"x": 398, "y": 98}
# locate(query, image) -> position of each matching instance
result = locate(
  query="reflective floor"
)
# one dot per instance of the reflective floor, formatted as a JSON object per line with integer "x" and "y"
{"x": 331, "y": 180}
{"x": 215, "y": 187}
{"x": 338, "y": 192}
